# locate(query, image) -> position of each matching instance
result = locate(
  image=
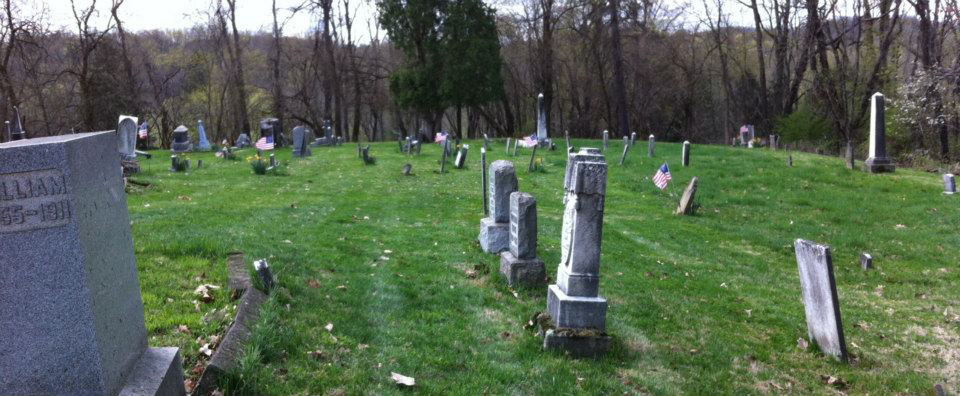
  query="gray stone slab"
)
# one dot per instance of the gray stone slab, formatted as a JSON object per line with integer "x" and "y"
{"x": 494, "y": 237}
{"x": 949, "y": 184}
{"x": 523, "y": 225}
{"x": 522, "y": 272}
{"x": 686, "y": 201}
{"x": 238, "y": 277}
{"x": 503, "y": 182}
{"x": 820, "y": 301}
{"x": 651, "y": 145}
{"x": 228, "y": 354}
{"x": 157, "y": 373}
{"x": 866, "y": 260}
{"x": 71, "y": 314}
{"x": 686, "y": 153}
{"x": 575, "y": 312}
{"x": 577, "y": 346}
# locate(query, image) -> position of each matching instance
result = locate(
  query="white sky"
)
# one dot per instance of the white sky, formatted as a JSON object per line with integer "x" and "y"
{"x": 254, "y": 15}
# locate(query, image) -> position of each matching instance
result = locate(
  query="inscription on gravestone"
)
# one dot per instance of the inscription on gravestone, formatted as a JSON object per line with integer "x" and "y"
{"x": 33, "y": 200}
{"x": 820, "y": 302}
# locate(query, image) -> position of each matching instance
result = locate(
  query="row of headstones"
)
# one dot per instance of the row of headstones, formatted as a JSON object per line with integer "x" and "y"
{"x": 577, "y": 313}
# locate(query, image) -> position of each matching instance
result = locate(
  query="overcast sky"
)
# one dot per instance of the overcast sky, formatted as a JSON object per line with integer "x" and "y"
{"x": 254, "y": 15}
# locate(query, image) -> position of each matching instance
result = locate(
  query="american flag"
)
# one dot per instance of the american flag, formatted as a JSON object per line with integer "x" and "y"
{"x": 265, "y": 143}
{"x": 744, "y": 129}
{"x": 662, "y": 177}
{"x": 144, "y": 128}
{"x": 529, "y": 141}
{"x": 441, "y": 137}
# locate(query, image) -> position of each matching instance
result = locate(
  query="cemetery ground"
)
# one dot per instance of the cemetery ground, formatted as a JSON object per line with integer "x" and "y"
{"x": 381, "y": 272}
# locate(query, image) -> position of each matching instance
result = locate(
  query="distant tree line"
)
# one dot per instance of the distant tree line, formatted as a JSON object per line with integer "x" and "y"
{"x": 802, "y": 69}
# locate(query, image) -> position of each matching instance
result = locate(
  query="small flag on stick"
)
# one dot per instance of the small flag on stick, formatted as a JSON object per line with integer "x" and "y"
{"x": 265, "y": 143}
{"x": 662, "y": 177}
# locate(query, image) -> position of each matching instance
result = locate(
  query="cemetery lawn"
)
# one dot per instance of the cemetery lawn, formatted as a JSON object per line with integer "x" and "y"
{"x": 382, "y": 273}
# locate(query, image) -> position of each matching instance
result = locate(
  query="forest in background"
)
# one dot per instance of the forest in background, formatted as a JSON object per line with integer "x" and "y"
{"x": 804, "y": 70}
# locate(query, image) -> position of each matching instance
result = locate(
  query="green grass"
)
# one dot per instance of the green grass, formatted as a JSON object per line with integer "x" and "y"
{"x": 704, "y": 304}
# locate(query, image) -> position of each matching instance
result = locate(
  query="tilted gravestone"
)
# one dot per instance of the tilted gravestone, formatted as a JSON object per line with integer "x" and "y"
{"x": 533, "y": 160}
{"x": 301, "y": 142}
{"x": 573, "y": 303}
{"x": 820, "y": 301}
{"x": 461, "y": 159}
{"x": 181, "y": 140}
{"x": 686, "y": 202}
{"x": 71, "y": 313}
{"x": 494, "y": 229}
{"x": 949, "y": 184}
{"x": 686, "y": 153}
{"x": 651, "y": 144}
{"x": 878, "y": 162}
{"x": 520, "y": 264}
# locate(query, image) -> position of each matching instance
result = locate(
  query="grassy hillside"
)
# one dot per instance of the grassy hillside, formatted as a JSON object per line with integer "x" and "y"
{"x": 704, "y": 304}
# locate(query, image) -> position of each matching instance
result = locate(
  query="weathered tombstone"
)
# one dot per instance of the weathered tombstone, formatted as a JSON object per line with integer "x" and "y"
{"x": 127, "y": 137}
{"x": 71, "y": 312}
{"x": 367, "y": 159}
{"x": 686, "y": 201}
{"x": 515, "y": 143}
{"x": 243, "y": 141}
{"x": 273, "y": 160}
{"x": 443, "y": 161}
{"x": 866, "y": 260}
{"x": 533, "y": 160}
{"x": 199, "y": 163}
{"x": 542, "y": 122}
{"x": 626, "y": 146}
{"x": 606, "y": 140}
{"x": 878, "y": 162}
{"x": 633, "y": 139}
{"x": 520, "y": 264}
{"x": 494, "y": 229}
{"x": 15, "y": 130}
{"x": 181, "y": 140}
{"x": 301, "y": 139}
{"x": 820, "y": 301}
{"x": 174, "y": 163}
{"x": 790, "y": 160}
{"x": 508, "y": 147}
{"x": 202, "y": 144}
{"x": 686, "y": 153}
{"x": 461, "y": 159}
{"x": 566, "y": 135}
{"x": 483, "y": 181}
{"x": 576, "y": 309}
{"x": 774, "y": 142}
{"x": 651, "y": 144}
{"x": 486, "y": 141}
{"x": 407, "y": 169}
{"x": 949, "y": 184}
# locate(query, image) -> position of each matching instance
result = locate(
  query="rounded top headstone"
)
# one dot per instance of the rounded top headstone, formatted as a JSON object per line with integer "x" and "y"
{"x": 540, "y": 96}
{"x": 686, "y": 142}
{"x": 181, "y": 129}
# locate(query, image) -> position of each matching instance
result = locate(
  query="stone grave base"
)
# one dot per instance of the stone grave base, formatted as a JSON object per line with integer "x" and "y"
{"x": 525, "y": 272}
{"x": 576, "y": 312}
{"x": 494, "y": 237}
{"x": 576, "y": 343}
{"x": 130, "y": 167}
{"x": 157, "y": 373}
{"x": 879, "y": 165}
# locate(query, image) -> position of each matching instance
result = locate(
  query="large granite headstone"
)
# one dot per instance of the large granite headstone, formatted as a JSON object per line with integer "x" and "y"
{"x": 575, "y": 307}
{"x": 820, "y": 301}
{"x": 494, "y": 229}
{"x": 520, "y": 264}
{"x": 878, "y": 162}
{"x": 181, "y": 140}
{"x": 202, "y": 144}
{"x": 71, "y": 314}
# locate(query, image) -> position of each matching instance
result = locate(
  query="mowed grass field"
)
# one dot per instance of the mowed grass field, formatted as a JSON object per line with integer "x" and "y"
{"x": 704, "y": 304}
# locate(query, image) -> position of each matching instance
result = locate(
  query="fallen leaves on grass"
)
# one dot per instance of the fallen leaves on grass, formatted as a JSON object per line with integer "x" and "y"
{"x": 185, "y": 198}
{"x": 836, "y": 382}
{"x": 341, "y": 287}
{"x": 183, "y": 329}
{"x": 900, "y": 226}
{"x": 313, "y": 283}
{"x": 329, "y": 327}
{"x": 203, "y": 291}
{"x": 317, "y": 354}
{"x": 802, "y": 344}
{"x": 401, "y": 379}
{"x": 206, "y": 350}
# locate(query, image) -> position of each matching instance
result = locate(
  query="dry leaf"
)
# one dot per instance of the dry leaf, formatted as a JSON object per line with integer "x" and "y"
{"x": 317, "y": 354}
{"x": 401, "y": 379}
{"x": 341, "y": 287}
{"x": 205, "y": 349}
{"x": 184, "y": 198}
{"x": 203, "y": 291}
{"x": 183, "y": 329}
{"x": 329, "y": 327}
{"x": 802, "y": 344}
